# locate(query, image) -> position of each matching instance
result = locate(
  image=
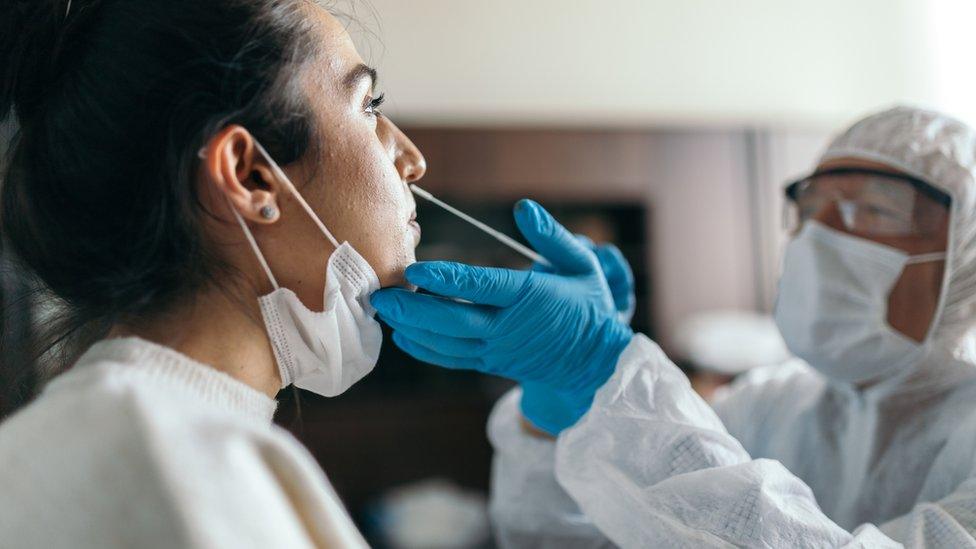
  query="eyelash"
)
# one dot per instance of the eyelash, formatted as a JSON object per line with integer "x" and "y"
{"x": 373, "y": 105}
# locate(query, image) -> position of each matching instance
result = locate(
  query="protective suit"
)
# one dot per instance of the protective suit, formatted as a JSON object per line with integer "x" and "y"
{"x": 785, "y": 457}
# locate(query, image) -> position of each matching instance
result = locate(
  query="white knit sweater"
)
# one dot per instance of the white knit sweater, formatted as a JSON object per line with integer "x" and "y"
{"x": 140, "y": 446}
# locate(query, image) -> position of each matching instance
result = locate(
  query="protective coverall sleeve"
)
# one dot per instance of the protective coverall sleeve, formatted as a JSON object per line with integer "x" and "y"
{"x": 528, "y": 507}
{"x": 652, "y": 465}
{"x": 949, "y": 522}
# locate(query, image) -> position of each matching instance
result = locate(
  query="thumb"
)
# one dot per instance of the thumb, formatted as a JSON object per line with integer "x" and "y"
{"x": 620, "y": 277}
{"x": 567, "y": 254}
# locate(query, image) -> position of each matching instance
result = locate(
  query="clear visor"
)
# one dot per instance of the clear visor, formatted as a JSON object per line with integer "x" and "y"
{"x": 868, "y": 202}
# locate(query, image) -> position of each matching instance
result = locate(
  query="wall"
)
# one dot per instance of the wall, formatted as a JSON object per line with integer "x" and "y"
{"x": 693, "y": 182}
{"x": 770, "y": 79}
{"x": 776, "y": 157}
{"x": 641, "y": 62}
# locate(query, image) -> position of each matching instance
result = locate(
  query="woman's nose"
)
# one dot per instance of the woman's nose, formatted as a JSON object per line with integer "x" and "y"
{"x": 409, "y": 161}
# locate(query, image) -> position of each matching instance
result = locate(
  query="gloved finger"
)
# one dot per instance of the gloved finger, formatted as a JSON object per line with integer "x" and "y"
{"x": 481, "y": 285}
{"x": 540, "y": 268}
{"x": 586, "y": 241}
{"x": 620, "y": 277}
{"x": 432, "y": 313}
{"x": 458, "y": 347}
{"x": 429, "y": 356}
{"x": 567, "y": 254}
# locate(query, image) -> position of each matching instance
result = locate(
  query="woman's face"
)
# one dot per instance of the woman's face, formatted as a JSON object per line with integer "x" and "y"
{"x": 355, "y": 179}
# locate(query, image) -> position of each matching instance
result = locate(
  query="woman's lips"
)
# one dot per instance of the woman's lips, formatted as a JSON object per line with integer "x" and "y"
{"x": 415, "y": 227}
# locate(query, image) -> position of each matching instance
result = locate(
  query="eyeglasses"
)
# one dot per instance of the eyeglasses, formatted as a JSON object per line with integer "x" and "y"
{"x": 869, "y": 202}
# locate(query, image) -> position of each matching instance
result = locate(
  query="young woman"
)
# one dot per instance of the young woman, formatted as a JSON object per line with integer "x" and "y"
{"x": 212, "y": 192}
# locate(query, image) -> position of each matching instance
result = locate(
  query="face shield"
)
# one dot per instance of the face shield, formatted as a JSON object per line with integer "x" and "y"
{"x": 869, "y": 202}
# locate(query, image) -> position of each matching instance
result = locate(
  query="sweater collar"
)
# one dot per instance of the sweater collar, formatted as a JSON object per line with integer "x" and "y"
{"x": 141, "y": 357}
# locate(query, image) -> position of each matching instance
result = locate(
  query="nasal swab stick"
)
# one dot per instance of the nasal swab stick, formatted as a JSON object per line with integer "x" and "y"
{"x": 501, "y": 237}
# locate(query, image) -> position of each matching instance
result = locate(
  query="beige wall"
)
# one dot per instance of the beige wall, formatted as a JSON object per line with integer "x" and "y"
{"x": 462, "y": 62}
{"x": 716, "y": 228}
{"x": 777, "y": 156}
{"x": 784, "y": 74}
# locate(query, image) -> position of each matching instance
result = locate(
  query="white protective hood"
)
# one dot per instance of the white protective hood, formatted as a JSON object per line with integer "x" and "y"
{"x": 942, "y": 152}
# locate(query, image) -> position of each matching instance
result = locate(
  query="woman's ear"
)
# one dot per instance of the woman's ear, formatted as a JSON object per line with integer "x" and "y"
{"x": 241, "y": 175}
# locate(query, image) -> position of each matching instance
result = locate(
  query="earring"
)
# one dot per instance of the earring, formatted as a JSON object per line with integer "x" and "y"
{"x": 268, "y": 212}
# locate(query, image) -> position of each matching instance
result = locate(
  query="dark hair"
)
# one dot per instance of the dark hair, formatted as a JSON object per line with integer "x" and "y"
{"x": 113, "y": 101}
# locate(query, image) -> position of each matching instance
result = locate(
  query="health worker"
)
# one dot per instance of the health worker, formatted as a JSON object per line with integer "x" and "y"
{"x": 867, "y": 440}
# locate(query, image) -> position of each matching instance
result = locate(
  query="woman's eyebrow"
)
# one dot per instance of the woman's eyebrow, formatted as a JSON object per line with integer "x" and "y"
{"x": 351, "y": 81}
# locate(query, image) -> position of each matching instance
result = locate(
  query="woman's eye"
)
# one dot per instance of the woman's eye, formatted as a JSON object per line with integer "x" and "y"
{"x": 373, "y": 104}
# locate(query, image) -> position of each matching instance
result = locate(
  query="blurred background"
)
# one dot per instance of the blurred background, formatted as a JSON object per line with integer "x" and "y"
{"x": 666, "y": 127}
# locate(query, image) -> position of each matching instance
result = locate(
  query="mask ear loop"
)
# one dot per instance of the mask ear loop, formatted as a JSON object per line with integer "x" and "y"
{"x": 254, "y": 245}
{"x": 291, "y": 187}
{"x": 202, "y": 154}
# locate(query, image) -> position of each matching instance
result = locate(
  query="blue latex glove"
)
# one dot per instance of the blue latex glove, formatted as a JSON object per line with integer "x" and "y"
{"x": 620, "y": 279}
{"x": 556, "y": 333}
{"x": 619, "y": 276}
{"x": 552, "y": 409}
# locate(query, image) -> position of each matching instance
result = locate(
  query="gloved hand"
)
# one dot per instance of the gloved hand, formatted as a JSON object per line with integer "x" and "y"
{"x": 550, "y": 408}
{"x": 619, "y": 276}
{"x": 556, "y": 333}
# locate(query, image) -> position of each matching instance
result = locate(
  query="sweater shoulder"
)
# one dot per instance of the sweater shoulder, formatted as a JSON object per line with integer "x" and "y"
{"x": 106, "y": 408}
{"x": 98, "y": 448}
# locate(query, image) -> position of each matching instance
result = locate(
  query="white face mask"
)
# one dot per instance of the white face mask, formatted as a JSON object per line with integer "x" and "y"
{"x": 833, "y": 304}
{"x": 326, "y": 352}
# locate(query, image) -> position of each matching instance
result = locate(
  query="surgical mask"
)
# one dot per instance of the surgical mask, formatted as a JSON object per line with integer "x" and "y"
{"x": 833, "y": 303}
{"x": 330, "y": 351}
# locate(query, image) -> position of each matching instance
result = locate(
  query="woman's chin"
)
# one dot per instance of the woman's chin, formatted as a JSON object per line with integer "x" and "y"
{"x": 396, "y": 277}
